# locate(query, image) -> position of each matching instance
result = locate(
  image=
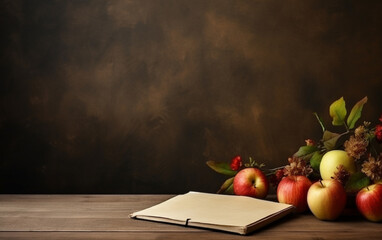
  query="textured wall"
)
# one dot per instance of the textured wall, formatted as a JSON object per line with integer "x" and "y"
{"x": 134, "y": 96}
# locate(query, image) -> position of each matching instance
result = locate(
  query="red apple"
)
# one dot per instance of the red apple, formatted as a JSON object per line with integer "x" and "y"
{"x": 251, "y": 182}
{"x": 326, "y": 199}
{"x": 369, "y": 202}
{"x": 293, "y": 190}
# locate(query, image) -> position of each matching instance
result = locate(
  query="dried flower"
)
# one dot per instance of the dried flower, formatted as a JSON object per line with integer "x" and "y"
{"x": 378, "y": 133}
{"x": 276, "y": 178}
{"x": 297, "y": 167}
{"x": 356, "y": 146}
{"x": 236, "y": 163}
{"x": 310, "y": 142}
{"x": 373, "y": 168}
{"x": 366, "y": 123}
{"x": 360, "y": 132}
{"x": 342, "y": 175}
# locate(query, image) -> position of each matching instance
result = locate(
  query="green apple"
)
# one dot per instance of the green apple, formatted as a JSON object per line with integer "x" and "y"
{"x": 332, "y": 159}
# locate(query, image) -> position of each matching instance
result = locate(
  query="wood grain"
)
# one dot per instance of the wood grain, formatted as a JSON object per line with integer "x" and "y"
{"x": 106, "y": 217}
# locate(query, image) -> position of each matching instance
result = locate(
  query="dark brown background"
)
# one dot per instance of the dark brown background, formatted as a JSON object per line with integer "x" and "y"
{"x": 135, "y": 96}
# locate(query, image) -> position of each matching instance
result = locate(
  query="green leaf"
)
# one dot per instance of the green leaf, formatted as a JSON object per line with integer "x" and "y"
{"x": 329, "y": 135}
{"x": 227, "y": 187}
{"x": 330, "y": 139}
{"x": 315, "y": 160}
{"x": 355, "y": 113}
{"x": 337, "y": 111}
{"x": 356, "y": 182}
{"x": 221, "y": 167}
{"x": 305, "y": 152}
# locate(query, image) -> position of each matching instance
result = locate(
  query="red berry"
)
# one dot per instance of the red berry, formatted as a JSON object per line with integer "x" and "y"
{"x": 236, "y": 163}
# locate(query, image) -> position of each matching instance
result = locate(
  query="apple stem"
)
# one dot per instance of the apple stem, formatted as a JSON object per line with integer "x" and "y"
{"x": 367, "y": 188}
{"x": 321, "y": 183}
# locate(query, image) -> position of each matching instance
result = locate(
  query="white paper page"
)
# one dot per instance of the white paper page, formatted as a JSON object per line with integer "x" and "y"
{"x": 215, "y": 209}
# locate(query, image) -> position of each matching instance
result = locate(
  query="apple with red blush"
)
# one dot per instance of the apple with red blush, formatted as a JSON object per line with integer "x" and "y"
{"x": 251, "y": 182}
{"x": 369, "y": 202}
{"x": 293, "y": 190}
{"x": 327, "y": 199}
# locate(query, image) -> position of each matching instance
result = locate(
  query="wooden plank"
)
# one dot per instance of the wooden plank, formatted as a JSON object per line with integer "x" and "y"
{"x": 106, "y": 217}
{"x": 262, "y": 235}
{"x": 77, "y": 213}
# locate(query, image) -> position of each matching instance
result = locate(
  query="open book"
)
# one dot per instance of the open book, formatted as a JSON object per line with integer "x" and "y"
{"x": 238, "y": 214}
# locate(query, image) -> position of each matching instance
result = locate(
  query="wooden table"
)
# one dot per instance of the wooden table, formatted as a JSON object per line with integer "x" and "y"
{"x": 106, "y": 217}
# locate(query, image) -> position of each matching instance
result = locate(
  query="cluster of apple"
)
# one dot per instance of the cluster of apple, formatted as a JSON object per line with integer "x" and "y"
{"x": 327, "y": 198}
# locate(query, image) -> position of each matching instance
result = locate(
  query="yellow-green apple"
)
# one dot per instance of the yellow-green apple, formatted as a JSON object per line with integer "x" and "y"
{"x": 293, "y": 190}
{"x": 251, "y": 182}
{"x": 332, "y": 159}
{"x": 369, "y": 202}
{"x": 326, "y": 199}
